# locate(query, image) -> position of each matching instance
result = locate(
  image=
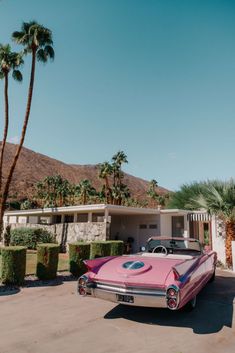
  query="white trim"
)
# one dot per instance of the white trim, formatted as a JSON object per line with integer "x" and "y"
{"x": 111, "y": 209}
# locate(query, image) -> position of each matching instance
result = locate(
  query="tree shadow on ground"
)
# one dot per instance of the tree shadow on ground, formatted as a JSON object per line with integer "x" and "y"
{"x": 214, "y": 310}
{"x": 33, "y": 281}
{"x": 8, "y": 290}
{"x": 60, "y": 279}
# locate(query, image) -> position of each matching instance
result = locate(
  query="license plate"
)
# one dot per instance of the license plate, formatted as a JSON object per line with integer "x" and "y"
{"x": 125, "y": 298}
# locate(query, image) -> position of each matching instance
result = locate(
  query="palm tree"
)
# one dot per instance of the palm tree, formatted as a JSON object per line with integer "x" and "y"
{"x": 105, "y": 170}
{"x": 9, "y": 62}
{"x": 152, "y": 191}
{"x": 117, "y": 192}
{"x": 163, "y": 199}
{"x": 183, "y": 198}
{"x": 62, "y": 190}
{"x": 120, "y": 193}
{"x": 37, "y": 41}
{"x": 53, "y": 191}
{"x": 218, "y": 198}
{"x": 118, "y": 159}
{"x": 84, "y": 190}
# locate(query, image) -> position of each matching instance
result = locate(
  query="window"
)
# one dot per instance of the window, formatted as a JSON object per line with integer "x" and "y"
{"x": 97, "y": 217}
{"x": 68, "y": 218}
{"x": 143, "y": 226}
{"x": 153, "y": 226}
{"x": 57, "y": 219}
{"x": 82, "y": 218}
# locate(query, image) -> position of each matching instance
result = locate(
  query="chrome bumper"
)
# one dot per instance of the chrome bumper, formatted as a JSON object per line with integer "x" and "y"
{"x": 142, "y": 296}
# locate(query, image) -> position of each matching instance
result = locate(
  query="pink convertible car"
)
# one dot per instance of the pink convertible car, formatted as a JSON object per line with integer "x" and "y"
{"x": 169, "y": 273}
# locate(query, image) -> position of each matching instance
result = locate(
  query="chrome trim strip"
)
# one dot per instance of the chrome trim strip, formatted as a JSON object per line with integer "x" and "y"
{"x": 139, "y": 300}
{"x": 130, "y": 290}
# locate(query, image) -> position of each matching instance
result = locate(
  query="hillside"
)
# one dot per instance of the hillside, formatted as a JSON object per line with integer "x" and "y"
{"x": 33, "y": 167}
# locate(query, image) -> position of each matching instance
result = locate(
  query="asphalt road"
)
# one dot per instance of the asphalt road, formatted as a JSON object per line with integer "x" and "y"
{"x": 54, "y": 319}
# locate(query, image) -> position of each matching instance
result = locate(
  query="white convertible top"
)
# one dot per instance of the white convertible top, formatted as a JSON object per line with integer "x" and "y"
{"x": 168, "y": 256}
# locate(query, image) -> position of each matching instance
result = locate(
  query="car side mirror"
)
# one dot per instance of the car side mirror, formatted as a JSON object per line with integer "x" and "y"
{"x": 143, "y": 248}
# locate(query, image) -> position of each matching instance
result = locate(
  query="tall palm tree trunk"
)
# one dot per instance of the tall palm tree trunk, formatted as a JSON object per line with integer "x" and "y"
{"x": 84, "y": 199}
{"x": 18, "y": 150}
{"x": 107, "y": 191}
{"x": 230, "y": 236}
{"x": 3, "y": 144}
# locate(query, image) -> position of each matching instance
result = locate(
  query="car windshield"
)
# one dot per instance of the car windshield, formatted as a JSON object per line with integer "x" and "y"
{"x": 173, "y": 246}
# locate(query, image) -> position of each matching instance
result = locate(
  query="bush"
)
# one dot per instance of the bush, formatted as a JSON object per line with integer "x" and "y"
{"x": 30, "y": 237}
{"x": 100, "y": 249}
{"x": 117, "y": 247}
{"x": 7, "y": 235}
{"x": 47, "y": 260}
{"x": 78, "y": 252}
{"x": 13, "y": 264}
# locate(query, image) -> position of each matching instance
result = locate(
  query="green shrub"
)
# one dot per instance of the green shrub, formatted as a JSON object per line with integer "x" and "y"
{"x": 13, "y": 264}
{"x": 78, "y": 252}
{"x": 47, "y": 260}
{"x": 7, "y": 235}
{"x": 100, "y": 249}
{"x": 117, "y": 247}
{"x": 30, "y": 237}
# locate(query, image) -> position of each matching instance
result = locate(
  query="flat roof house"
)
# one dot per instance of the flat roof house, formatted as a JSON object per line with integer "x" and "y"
{"x": 103, "y": 221}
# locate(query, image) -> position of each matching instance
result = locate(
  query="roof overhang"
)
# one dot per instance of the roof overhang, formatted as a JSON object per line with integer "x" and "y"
{"x": 98, "y": 208}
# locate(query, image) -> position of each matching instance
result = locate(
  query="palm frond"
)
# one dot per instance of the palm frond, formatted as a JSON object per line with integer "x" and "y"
{"x": 20, "y": 37}
{"x": 49, "y": 52}
{"x": 27, "y": 25}
{"x": 17, "y": 75}
{"x": 41, "y": 56}
{"x": 35, "y": 37}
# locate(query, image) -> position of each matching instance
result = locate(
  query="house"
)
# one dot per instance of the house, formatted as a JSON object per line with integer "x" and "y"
{"x": 103, "y": 222}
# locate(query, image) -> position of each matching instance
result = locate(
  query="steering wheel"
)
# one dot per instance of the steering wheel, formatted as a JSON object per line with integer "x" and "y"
{"x": 162, "y": 251}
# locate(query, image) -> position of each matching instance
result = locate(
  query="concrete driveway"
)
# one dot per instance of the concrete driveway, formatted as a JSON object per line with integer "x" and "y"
{"x": 54, "y": 319}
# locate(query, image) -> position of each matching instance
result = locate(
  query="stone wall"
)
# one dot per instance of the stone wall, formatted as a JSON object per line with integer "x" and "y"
{"x": 69, "y": 232}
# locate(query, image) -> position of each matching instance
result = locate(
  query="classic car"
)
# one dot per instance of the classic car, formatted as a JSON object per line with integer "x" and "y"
{"x": 168, "y": 272}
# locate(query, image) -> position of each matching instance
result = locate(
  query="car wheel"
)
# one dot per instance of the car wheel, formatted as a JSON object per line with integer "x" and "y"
{"x": 212, "y": 277}
{"x": 191, "y": 304}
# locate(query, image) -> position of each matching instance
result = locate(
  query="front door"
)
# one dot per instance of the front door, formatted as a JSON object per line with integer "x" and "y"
{"x": 177, "y": 226}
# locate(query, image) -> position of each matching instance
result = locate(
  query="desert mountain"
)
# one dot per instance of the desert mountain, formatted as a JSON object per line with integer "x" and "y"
{"x": 33, "y": 167}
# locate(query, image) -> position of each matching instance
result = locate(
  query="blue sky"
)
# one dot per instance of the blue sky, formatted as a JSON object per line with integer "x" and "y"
{"x": 155, "y": 78}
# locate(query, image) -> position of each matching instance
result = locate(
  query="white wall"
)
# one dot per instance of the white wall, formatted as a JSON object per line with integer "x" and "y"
{"x": 22, "y": 219}
{"x": 166, "y": 225}
{"x": 233, "y": 254}
{"x": 12, "y": 219}
{"x": 129, "y": 226}
{"x": 33, "y": 219}
{"x": 45, "y": 219}
{"x": 218, "y": 239}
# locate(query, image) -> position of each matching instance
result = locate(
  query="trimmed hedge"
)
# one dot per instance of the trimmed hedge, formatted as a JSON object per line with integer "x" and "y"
{"x": 100, "y": 249}
{"x": 117, "y": 247}
{"x": 47, "y": 260}
{"x": 30, "y": 237}
{"x": 13, "y": 264}
{"x": 78, "y": 252}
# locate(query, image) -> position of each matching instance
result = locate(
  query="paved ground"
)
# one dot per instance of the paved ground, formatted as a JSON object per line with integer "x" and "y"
{"x": 54, "y": 319}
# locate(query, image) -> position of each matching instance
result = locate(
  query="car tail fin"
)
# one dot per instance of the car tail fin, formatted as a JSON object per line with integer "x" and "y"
{"x": 184, "y": 267}
{"x": 95, "y": 264}
{"x": 176, "y": 273}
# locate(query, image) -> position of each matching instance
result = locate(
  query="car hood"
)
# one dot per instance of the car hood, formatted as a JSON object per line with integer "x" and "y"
{"x": 136, "y": 270}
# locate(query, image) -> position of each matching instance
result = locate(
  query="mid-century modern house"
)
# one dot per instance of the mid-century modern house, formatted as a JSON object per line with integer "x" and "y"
{"x": 103, "y": 221}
